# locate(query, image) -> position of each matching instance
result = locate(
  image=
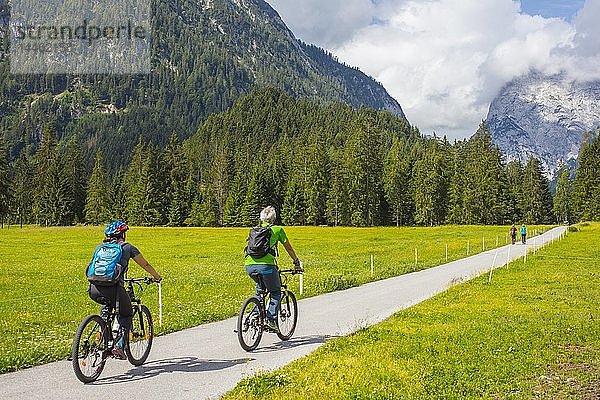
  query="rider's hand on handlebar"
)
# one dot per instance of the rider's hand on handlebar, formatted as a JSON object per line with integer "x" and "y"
{"x": 298, "y": 267}
{"x": 157, "y": 280}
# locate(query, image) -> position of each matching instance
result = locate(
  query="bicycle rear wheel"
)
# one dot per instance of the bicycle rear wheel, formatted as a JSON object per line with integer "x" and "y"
{"x": 89, "y": 349}
{"x": 140, "y": 337}
{"x": 250, "y": 324}
{"x": 288, "y": 315}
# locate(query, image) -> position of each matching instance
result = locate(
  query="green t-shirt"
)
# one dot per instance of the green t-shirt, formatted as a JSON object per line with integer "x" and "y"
{"x": 277, "y": 236}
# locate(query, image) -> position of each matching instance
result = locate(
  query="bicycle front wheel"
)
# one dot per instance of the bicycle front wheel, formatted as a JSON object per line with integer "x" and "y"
{"x": 90, "y": 349}
{"x": 288, "y": 315}
{"x": 140, "y": 335}
{"x": 250, "y": 324}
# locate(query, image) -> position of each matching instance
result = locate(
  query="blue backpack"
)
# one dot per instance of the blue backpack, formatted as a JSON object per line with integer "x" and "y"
{"x": 105, "y": 268}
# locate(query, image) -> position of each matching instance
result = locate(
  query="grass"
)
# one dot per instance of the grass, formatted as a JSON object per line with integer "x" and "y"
{"x": 530, "y": 334}
{"x": 43, "y": 289}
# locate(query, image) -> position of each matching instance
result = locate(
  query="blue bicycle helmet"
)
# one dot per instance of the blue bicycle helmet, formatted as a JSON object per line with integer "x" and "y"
{"x": 114, "y": 228}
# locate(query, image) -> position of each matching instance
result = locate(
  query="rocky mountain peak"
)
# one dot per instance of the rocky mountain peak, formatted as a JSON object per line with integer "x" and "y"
{"x": 546, "y": 117}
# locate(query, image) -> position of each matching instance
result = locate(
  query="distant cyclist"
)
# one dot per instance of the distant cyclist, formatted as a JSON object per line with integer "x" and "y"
{"x": 513, "y": 233}
{"x": 523, "y": 234}
{"x": 261, "y": 258}
{"x": 107, "y": 294}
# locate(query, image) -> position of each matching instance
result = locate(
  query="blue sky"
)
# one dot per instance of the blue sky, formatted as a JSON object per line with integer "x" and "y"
{"x": 552, "y": 8}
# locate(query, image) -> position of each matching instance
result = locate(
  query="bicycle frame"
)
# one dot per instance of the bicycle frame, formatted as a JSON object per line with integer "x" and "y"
{"x": 94, "y": 341}
{"x": 113, "y": 314}
{"x": 283, "y": 277}
{"x": 251, "y": 319}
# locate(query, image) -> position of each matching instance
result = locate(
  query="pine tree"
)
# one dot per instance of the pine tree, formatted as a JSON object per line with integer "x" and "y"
{"x": 51, "y": 189}
{"x": 456, "y": 209}
{"x": 252, "y": 201}
{"x": 5, "y": 185}
{"x": 396, "y": 183}
{"x": 278, "y": 165}
{"x": 293, "y": 211}
{"x": 134, "y": 188}
{"x": 586, "y": 192}
{"x": 98, "y": 200}
{"x": 118, "y": 202}
{"x": 22, "y": 189}
{"x": 203, "y": 212}
{"x": 484, "y": 198}
{"x": 74, "y": 181}
{"x": 176, "y": 197}
{"x": 514, "y": 173}
{"x": 316, "y": 185}
{"x": 363, "y": 157}
{"x": 431, "y": 183}
{"x": 232, "y": 214}
{"x": 337, "y": 197}
{"x": 537, "y": 197}
{"x": 153, "y": 180}
{"x": 562, "y": 198}
{"x": 220, "y": 179}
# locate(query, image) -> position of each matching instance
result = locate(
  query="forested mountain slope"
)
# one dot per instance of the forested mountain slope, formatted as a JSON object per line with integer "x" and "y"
{"x": 205, "y": 54}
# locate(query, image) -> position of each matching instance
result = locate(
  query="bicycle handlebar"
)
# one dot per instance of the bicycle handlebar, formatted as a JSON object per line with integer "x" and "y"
{"x": 292, "y": 271}
{"x": 146, "y": 280}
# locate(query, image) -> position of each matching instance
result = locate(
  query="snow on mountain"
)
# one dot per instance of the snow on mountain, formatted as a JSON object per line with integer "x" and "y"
{"x": 546, "y": 117}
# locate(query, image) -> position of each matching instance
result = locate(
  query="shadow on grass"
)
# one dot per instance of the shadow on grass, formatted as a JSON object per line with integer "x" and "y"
{"x": 167, "y": 366}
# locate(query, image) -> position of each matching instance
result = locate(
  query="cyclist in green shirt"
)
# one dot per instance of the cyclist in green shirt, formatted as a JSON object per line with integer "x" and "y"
{"x": 267, "y": 265}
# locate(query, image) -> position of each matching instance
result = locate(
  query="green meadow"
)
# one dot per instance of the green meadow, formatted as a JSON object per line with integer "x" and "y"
{"x": 533, "y": 333}
{"x": 43, "y": 293}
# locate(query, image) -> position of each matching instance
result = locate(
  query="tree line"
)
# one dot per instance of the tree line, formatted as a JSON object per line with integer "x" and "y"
{"x": 318, "y": 164}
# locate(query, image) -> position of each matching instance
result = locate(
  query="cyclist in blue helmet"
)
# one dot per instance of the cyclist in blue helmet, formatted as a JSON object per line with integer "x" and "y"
{"x": 107, "y": 295}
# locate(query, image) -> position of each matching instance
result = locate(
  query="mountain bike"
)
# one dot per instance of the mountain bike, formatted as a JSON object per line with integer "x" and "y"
{"x": 94, "y": 340}
{"x": 251, "y": 320}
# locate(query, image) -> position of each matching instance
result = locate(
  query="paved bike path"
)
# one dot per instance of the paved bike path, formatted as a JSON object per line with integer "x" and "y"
{"x": 206, "y": 361}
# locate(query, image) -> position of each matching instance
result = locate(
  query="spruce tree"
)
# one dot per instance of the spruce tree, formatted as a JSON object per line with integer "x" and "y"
{"x": 562, "y": 198}
{"x": 153, "y": 180}
{"x": 50, "y": 184}
{"x": 98, "y": 200}
{"x": 484, "y": 198}
{"x": 74, "y": 176}
{"x": 293, "y": 211}
{"x": 220, "y": 176}
{"x": 252, "y": 202}
{"x": 457, "y": 214}
{"x": 586, "y": 192}
{"x": 118, "y": 202}
{"x": 363, "y": 156}
{"x": 337, "y": 198}
{"x": 203, "y": 212}
{"x": 278, "y": 165}
{"x": 431, "y": 183}
{"x": 316, "y": 185}
{"x": 5, "y": 185}
{"x": 176, "y": 196}
{"x": 134, "y": 188}
{"x": 514, "y": 173}
{"x": 232, "y": 214}
{"x": 22, "y": 189}
{"x": 537, "y": 197}
{"x": 396, "y": 182}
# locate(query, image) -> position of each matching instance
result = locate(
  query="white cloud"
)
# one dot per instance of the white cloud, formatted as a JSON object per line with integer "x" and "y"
{"x": 326, "y": 23}
{"x": 445, "y": 60}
